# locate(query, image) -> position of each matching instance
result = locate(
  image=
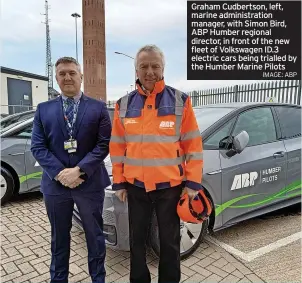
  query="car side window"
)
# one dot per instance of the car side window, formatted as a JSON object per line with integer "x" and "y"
{"x": 290, "y": 121}
{"x": 213, "y": 141}
{"x": 25, "y": 133}
{"x": 259, "y": 124}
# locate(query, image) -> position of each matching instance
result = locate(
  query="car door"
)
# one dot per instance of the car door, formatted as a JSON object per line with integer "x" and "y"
{"x": 253, "y": 179}
{"x": 33, "y": 169}
{"x": 290, "y": 120}
{"x": 212, "y": 166}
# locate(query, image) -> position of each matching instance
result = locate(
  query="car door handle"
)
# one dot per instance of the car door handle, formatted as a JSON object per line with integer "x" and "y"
{"x": 214, "y": 172}
{"x": 17, "y": 153}
{"x": 279, "y": 154}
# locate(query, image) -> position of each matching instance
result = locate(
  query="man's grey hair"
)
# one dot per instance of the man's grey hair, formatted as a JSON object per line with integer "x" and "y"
{"x": 67, "y": 60}
{"x": 150, "y": 48}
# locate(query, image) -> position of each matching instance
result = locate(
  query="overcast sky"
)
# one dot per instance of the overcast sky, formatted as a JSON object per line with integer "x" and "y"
{"x": 129, "y": 25}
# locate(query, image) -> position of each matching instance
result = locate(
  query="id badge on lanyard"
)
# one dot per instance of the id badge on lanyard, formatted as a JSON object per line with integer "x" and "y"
{"x": 71, "y": 144}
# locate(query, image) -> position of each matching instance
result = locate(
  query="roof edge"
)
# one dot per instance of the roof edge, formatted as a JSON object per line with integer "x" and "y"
{"x": 10, "y": 71}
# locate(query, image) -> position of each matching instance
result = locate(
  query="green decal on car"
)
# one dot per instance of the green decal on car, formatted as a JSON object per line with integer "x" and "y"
{"x": 36, "y": 175}
{"x": 284, "y": 193}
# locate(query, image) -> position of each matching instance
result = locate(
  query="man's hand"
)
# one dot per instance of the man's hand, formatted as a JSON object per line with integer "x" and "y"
{"x": 78, "y": 182}
{"x": 191, "y": 193}
{"x": 69, "y": 176}
{"x": 121, "y": 194}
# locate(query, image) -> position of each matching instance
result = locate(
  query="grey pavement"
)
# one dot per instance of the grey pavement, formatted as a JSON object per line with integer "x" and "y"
{"x": 25, "y": 252}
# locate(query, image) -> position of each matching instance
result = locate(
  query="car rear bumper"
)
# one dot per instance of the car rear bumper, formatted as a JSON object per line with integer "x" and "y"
{"x": 115, "y": 218}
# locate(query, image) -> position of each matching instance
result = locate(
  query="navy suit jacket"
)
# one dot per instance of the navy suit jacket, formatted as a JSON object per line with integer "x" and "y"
{"x": 92, "y": 132}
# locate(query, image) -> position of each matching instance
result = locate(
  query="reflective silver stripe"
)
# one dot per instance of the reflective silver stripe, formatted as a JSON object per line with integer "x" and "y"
{"x": 190, "y": 135}
{"x": 178, "y": 125}
{"x": 117, "y": 159}
{"x": 179, "y": 105}
{"x": 117, "y": 139}
{"x": 154, "y": 162}
{"x": 194, "y": 156}
{"x": 123, "y": 106}
{"x": 151, "y": 138}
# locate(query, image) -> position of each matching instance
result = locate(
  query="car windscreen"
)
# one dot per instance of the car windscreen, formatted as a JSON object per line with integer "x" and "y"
{"x": 207, "y": 116}
{"x": 13, "y": 120}
{"x": 10, "y": 126}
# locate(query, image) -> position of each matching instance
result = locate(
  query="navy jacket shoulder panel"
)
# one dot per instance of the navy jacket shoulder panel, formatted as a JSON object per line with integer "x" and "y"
{"x": 184, "y": 96}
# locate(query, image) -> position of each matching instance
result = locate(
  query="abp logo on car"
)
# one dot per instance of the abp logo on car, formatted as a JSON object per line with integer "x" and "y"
{"x": 244, "y": 180}
{"x": 248, "y": 179}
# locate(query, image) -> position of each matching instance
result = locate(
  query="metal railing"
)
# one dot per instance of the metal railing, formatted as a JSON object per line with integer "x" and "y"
{"x": 287, "y": 91}
{"x": 13, "y": 109}
{"x": 111, "y": 103}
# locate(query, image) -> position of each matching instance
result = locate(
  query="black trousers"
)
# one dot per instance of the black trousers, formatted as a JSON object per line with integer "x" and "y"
{"x": 140, "y": 205}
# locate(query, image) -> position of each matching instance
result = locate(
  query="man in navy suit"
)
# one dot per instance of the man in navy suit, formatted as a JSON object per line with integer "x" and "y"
{"x": 70, "y": 140}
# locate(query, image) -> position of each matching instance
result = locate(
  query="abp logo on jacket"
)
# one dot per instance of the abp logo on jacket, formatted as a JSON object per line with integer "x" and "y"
{"x": 166, "y": 125}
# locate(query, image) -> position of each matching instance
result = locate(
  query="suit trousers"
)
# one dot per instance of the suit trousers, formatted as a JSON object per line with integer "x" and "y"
{"x": 59, "y": 210}
{"x": 140, "y": 207}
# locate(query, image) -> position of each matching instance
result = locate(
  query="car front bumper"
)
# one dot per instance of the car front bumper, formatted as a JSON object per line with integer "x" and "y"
{"x": 115, "y": 219}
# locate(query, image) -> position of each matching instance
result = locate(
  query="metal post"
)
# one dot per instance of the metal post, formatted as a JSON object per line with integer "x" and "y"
{"x": 236, "y": 93}
{"x": 299, "y": 93}
{"x": 76, "y": 20}
{"x": 76, "y": 16}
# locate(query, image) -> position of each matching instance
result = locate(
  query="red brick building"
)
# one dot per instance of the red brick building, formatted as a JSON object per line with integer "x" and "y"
{"x": 94, "y": 48}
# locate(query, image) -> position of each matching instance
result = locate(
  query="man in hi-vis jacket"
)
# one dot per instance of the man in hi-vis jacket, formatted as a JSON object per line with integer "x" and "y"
{"x": 156, "y": 152}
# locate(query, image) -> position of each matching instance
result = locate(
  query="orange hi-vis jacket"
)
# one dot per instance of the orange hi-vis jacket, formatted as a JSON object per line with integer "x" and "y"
{"x": 155, "y": 141}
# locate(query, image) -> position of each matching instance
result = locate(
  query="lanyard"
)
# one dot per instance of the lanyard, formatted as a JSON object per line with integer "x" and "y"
{"x": 70, "y": 124}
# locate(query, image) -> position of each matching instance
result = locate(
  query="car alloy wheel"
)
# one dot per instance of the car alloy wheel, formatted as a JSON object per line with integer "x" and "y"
{"x": 3, "y": 186}
{"x": 191, "y": 237}
{"x": 7, "y": 185}
{"x": 189, "y": 234}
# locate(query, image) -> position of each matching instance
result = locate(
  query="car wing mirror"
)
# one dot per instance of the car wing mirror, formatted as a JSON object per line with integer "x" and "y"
{"x": 239, "y": 143}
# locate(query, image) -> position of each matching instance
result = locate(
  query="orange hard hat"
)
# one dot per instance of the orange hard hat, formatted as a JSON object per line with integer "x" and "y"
{"x": 195, "y": 211}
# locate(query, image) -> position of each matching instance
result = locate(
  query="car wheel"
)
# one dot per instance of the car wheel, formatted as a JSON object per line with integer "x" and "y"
{"x": 191, "y": 237}
{"x": 7, "y": 185}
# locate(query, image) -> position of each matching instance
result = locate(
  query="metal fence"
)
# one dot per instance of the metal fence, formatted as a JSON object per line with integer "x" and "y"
{"x": 13, "y": 109}
{"x": 286, "y": 91}
{"x": 111, "y": 103}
